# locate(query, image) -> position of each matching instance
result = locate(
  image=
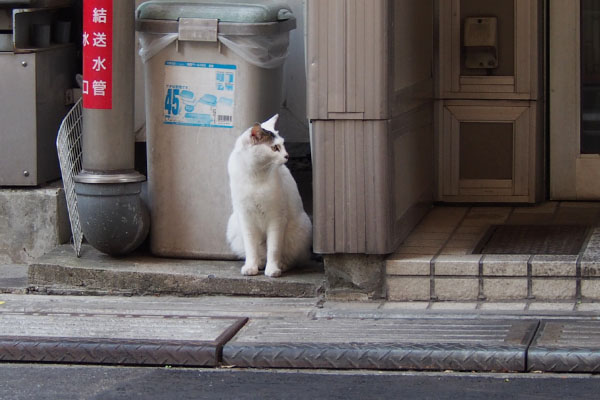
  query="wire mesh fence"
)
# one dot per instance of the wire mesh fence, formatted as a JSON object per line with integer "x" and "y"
{"x": 68, "y": 144}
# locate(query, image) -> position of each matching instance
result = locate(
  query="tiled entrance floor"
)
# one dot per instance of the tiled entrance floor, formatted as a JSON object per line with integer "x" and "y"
{"x": 436, "y": 261}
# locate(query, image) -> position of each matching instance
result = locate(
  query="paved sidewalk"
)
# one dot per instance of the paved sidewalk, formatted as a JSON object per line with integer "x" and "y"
{"x": 13, "y": 278}
{"x": 294, "y": 333}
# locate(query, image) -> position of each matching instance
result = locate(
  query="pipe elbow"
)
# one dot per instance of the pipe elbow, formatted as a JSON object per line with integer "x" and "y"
{"x": 113, "y": 217}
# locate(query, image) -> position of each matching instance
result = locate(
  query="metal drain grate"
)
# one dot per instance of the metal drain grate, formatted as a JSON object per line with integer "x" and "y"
{"x": 533, "y": 239}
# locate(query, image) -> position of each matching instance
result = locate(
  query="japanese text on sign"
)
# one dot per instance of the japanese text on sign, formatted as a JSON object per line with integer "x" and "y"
{"x": 97, "y": 53}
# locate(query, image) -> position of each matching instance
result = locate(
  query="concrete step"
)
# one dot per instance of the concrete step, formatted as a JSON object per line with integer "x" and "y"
{"x": 61, "y": 272}
{"x": 439, "y": 260}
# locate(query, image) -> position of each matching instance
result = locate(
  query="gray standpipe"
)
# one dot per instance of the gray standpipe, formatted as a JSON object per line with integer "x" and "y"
{"x": 113, "y": 217}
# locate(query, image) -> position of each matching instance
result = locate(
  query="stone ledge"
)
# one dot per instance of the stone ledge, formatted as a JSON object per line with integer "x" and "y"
{"x": 505, "y": 265}
{"x": 500, "y": 276}
{"x": 554, "y": 265}
{"x": 448, "y": 265}
{"x": 141, "y": 274}
{"x": 456, "y": 289}
{"x": 34, "y": 221}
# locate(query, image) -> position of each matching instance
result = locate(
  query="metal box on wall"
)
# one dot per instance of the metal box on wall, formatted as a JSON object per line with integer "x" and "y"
{"x": 33, "y": 87}
{"x": 516, "y": 75}
{"x": 37, "y": 66}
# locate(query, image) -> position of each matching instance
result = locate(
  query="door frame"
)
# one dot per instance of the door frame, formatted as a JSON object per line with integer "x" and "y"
{"x": 573, "y": 176}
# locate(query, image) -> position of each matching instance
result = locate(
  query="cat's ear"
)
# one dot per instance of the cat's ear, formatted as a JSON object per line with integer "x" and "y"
{"x": 256, "y": 132}
{"x": 271, "y": 123}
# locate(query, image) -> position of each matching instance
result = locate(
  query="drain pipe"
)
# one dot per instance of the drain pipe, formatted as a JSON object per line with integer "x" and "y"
{"x": 113, "y": 217}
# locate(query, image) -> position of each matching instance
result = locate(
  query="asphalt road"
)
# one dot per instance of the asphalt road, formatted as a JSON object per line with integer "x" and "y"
{"x": 34, "y": 381}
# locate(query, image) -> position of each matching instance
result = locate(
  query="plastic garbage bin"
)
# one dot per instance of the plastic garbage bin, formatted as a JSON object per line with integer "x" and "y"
{"x": 212, "y": 69}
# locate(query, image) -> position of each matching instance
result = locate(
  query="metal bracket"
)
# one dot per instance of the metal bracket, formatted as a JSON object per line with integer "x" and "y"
{"x": 198, "y": 29}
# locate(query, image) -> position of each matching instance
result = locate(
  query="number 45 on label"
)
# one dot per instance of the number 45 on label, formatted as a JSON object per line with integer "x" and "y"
{"x": 172, "y": 102}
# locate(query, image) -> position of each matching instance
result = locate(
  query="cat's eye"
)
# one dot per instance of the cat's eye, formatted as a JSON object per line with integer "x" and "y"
{"x": 275, "y": 148}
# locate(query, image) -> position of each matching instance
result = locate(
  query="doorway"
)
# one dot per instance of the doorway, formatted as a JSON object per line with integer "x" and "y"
{"x": 574, "y": 98}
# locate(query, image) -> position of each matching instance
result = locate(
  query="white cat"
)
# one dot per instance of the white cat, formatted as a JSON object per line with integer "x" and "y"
{"x": 268, "y": 224}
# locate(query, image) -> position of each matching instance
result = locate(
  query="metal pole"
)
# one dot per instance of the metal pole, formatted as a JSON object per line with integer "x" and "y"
{"x": 108, "y": 135}
{"x": 114, "y": 219}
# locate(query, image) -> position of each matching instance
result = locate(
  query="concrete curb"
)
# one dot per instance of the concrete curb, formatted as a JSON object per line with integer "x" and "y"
{"x": 101, "y": 339}
{"x": 286, "y": 333}
{"x": 404, "y": 344}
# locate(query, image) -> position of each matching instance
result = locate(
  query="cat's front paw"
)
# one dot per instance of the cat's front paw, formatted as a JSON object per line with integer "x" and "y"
{"x": 249, "y": 270}
{"x": 273, "y": 271}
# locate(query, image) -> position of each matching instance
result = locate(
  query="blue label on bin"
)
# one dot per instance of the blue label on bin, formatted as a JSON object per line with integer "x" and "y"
{"x": 199, "y": 94}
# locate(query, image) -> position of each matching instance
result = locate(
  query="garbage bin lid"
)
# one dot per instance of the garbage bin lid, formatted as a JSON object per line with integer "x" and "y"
{"x": 240, "y": 11}
{"x": 36, "y": 3}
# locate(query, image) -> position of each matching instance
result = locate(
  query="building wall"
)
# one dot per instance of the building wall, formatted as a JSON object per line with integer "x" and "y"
{"x": 370, "y": 100}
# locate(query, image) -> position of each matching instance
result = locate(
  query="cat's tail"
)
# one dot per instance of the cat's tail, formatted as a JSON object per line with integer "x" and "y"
{"x": 298, "y": 241}
{"x": 234, "y": 236}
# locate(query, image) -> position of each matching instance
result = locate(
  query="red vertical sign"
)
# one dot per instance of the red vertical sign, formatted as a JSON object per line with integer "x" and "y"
{"x": 97, "y": 53}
